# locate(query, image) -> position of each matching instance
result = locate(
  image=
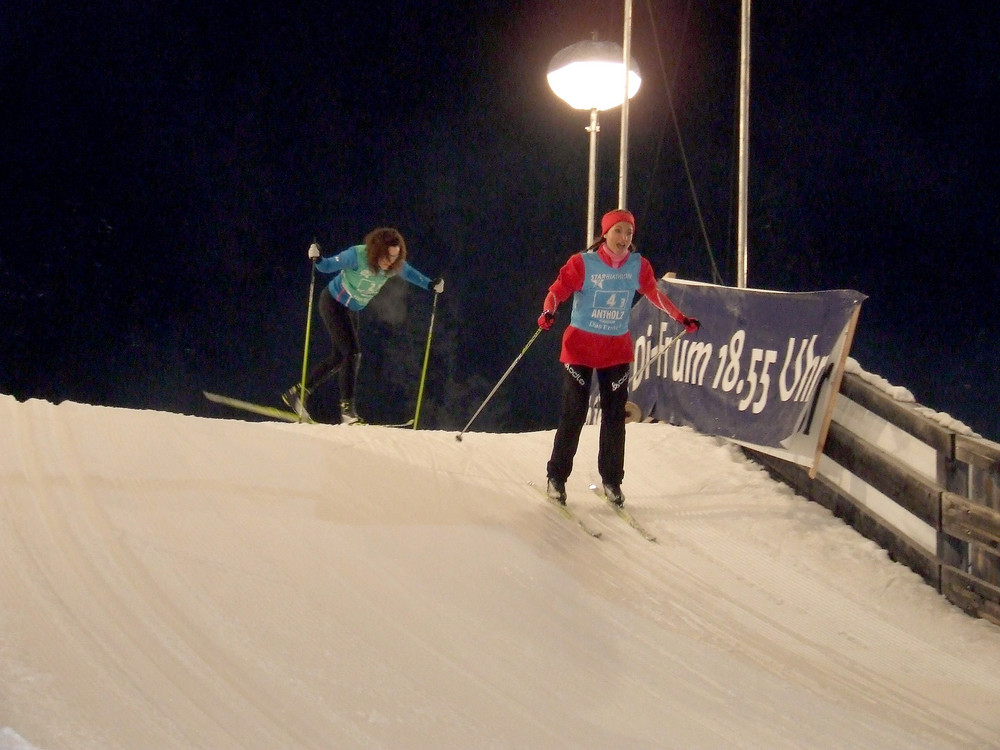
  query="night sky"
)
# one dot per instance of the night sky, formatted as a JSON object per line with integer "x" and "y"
{"x": 167, "y": 164}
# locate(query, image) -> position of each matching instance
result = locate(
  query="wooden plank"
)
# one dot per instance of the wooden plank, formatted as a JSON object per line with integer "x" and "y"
{"x": 983, "y": 487}
{"x": 983, "y": 459}
{"x": 969, "y": 520}
{"x": 907, "y": 488}
{"x": 838, "y": 377}
{"x": 902, "y": 414}
{"x": 984, "y": 563}
{"x": 979, "y": 525}
{"x": 973, "y": 596}
{"x": 979, "y": 452}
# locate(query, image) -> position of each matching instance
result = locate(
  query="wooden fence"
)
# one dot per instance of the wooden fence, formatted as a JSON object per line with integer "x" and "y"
{"x": 927, "y": 494}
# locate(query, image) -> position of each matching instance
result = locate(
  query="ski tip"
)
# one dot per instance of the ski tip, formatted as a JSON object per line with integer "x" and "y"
{"x": 633, "y": 413}
{"x": 362, "y": 423}
{"x": 402, "y": 425}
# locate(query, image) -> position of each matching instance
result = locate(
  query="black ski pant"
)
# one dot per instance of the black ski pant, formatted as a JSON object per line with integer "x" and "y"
{"x": 344, "y": 358}
{"x": 613, "y": 385}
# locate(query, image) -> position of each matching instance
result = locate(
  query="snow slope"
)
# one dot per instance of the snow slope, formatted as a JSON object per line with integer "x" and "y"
{"x": 169, "y": 581}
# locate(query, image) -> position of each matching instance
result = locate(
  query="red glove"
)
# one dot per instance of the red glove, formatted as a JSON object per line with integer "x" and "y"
{"x": 548, "y": 315}
{"x": 691, "y": 325}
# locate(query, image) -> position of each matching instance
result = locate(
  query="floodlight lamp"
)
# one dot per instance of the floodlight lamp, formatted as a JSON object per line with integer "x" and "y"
{"x": 589, "y": 75}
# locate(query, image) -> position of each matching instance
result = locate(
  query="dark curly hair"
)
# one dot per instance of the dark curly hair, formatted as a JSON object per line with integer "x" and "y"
{"x": 377, "y": 244}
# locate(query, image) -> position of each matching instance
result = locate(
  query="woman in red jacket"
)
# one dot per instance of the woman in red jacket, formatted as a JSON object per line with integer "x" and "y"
{"x": 603, "y": 281}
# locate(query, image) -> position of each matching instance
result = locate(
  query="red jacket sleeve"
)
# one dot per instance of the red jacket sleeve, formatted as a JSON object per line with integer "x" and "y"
{"x": 569, "y": 280}
{"x": 649, "y": 290}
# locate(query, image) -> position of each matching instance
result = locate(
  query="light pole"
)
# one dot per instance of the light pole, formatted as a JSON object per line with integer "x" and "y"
{"x": 623, "y": 145}
{"x": 591, "y": 75}
{"x": 742, "y": 243}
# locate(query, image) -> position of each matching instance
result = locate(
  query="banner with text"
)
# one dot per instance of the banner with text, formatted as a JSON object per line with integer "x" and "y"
{"x": 757, "y": 372}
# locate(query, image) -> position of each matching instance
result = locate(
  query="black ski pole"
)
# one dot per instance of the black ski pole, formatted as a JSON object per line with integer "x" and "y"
{"x": 513, "y": 364}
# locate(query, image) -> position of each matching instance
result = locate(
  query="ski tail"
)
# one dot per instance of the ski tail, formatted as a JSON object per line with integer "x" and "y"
{"x": 623, "y": 514}
{"x": 265, "y": 411}
{"x": 566, "y": 512}
{"x": 362, "y": 423}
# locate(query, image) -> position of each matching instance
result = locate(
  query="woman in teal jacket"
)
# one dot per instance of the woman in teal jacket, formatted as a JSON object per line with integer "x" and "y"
{"x": 361, "y": 272}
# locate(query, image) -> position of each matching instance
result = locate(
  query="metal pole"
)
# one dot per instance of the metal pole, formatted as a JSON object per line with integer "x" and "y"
{"x": 744, "y": 140}
{"x": 623, "y": 153}
{"x": 305, "y": 349}
{"x": 594, "y": 129}
{"x": 513, "y": 364}
{"x": 427, "y": 355}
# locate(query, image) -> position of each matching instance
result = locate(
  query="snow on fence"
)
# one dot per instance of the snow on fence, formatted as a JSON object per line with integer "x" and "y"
{"x": 925, "y": 489}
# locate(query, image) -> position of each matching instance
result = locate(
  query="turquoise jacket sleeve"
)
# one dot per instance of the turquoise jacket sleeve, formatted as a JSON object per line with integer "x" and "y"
{"x": 411, "y": 274}
{"x": 345, "y": 259}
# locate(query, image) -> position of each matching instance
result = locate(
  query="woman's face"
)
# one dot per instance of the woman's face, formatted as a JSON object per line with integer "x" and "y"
{"x": 618, "y": 238}
{"x": 391, "y": 254}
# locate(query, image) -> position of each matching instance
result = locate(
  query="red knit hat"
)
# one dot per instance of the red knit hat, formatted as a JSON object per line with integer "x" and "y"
{"x": 613, "y": 217}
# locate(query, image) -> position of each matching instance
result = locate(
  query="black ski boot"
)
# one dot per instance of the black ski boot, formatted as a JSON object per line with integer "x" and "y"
{"x": 556, "y": 489}
{"x": 348, "y": 415}
{"x": 613, "y": 493}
